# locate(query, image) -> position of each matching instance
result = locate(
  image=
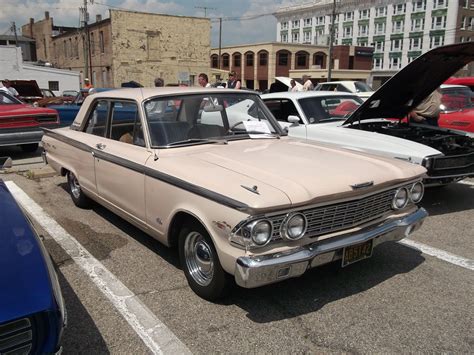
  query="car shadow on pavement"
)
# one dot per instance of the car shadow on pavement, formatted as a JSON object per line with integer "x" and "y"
{"x": 15, "y": 152}
{"x": 321, "y": 286}
{"x": 455, "y": 197}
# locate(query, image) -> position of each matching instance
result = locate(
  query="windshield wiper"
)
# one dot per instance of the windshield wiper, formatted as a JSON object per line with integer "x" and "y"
{"x": 256, "y": 132}
{"x": 197, "y": 140}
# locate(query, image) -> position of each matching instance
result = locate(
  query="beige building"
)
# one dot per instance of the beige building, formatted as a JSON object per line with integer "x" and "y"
{"x": 128, "y": 46}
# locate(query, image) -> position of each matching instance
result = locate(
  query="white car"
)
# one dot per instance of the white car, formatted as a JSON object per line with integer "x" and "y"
{"x": 345, "y": 120}
{"x": 359, "y": 88}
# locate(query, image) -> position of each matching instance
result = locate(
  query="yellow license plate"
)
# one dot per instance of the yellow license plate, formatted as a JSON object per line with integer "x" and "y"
{"x": 357, "y": 252}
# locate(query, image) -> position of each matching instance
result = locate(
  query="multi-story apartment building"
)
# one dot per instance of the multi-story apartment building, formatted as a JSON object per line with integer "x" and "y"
{"x": 399, "y": 30}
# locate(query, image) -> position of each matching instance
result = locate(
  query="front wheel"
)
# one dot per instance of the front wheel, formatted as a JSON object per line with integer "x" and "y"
{"x": 201, "y": 264}
{"x": 77, "y": 195}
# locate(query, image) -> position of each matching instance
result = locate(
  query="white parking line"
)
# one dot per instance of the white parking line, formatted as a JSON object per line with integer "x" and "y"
{"x": 466, "y": 182}
{"x": 440, "y": 254}
{"x": 154, "y": 333}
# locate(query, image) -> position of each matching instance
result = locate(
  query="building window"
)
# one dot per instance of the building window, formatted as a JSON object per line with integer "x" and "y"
{"x": 101, "y": 42}
{"x": 53, "y": 85}
{"x": 396, "y": 45}
{"x": 263, "y": 59}
{"x": 284, "y": 37}
{"x": 320, "y": 20}
{"x": 461, "y": 39}
{"x": 308, "y": 22}
{"x": 436, "y": 41}
{"x": 306, "y": 37}
{"x": 463, "y": 22}
{"x": 465, "y": 4}
{"x": 225, "y": 60}
{"x": 283, "y": 59}
{"x": 237, "y": 60}
{"x": 284, "y": 25}
{"x": 438, "y": 22}
{"x": 71, "y": 48}
{"x": 348, "y": 16}
{"x": 379, "y": 46}
{"x": 439, "y": 3}
{"x": 397, "y": 26}
{"x": 362, "y": 42}
{"x": 249, "y": 59}
{"x": 301, "y": 60}
{"x": 416, "y": 43}
{"x": 418, "y": 24}
{"x": 347, "y": 31}
{"x": 295, "y": 24}
{"x": 380, "y": 28}
{"x": 378, "y": 63}
{"x": 364, "y": 14}
{"x": 91, "y": 36}
{"x": 399, "y": 9}
{"x": 295, "y": 37}
{"x": 363, "y": 30}
{"x": 381, "y": 11}
{"x": 395, "y": 63}
{"x": 419, "y": 6}
{"x": 214, "y": 61}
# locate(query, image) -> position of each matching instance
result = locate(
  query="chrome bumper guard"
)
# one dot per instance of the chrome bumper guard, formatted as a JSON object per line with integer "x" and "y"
{"x": 255, "y": 271}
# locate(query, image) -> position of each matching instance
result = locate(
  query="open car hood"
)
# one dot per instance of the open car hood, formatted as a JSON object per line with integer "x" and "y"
{"x": 411, "y": 85}
{"x": 286, "y": 81}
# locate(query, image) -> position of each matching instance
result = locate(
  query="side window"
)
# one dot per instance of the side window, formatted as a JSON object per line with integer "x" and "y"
{"x": 281, "y": 109}
{"x": 96, "y": 122}
{"x": 125, "y": 123}
{"x": 342, "y": 88}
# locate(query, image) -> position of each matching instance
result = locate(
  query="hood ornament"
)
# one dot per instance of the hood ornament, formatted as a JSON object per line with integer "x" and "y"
{"x": 363, "y": 185}
{"x": 253, "y": 189}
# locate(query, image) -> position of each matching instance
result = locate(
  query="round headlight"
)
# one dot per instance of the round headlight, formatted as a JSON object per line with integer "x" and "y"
{"x": 294, "y": 227}
{"x": 261, "y": 232}
{"x": 400, "y": 199}
{"x": 416, "y": 192}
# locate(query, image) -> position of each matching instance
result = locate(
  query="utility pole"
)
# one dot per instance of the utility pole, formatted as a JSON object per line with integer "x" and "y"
{"x": 331, "y": 39}
{"x": 87, "y": 42}
{"x": 220, "y": 42}
{"x": 13, "y": 29}
{"x": 205, "y": 8}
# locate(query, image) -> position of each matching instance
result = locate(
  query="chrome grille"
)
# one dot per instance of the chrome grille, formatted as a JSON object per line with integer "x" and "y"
{"x": 449, "y": 162}
{"x": 16, "y": 337}
{"x": 331, "y": 218}
{"x": 46, "y": 118}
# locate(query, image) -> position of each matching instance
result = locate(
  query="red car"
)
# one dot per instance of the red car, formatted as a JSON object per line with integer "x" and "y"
{"x": 458, "y": 108}
{"x": 20, "y": 123}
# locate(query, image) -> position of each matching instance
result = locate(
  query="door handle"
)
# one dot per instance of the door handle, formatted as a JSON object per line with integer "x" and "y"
{"x": 100, "y": 146}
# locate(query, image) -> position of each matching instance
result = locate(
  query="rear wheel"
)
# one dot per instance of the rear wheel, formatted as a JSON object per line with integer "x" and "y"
{"x": 29, "y": 148}
{"x": 201, "y": 264}
{"x": 77, "y": 195}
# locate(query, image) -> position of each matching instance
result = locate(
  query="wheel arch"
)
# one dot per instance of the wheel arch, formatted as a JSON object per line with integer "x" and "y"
{"x": 180, "y": 219}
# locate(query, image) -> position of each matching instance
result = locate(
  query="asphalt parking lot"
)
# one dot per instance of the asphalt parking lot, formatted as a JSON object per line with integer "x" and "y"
{"x": 400, "y": 300}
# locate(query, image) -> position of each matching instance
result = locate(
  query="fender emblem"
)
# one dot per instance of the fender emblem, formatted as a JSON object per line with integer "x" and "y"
{"x": 363, "y": 185}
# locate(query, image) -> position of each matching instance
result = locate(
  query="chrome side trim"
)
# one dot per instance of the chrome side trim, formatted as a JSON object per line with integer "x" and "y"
{"x": 211, "y": 195}
{"x": 259, "y": 270}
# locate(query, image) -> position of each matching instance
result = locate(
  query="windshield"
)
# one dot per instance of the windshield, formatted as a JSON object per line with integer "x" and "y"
{"x": 208, "y": 118}
{"x": 326, "y": 108}
{"x": 362, "y": 87}
{"x": 6, "y": 99}
{"x": 455, "y": 99}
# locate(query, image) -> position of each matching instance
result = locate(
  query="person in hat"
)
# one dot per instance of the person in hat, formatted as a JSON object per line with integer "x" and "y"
{"x": 233, "y": 82}
{"x": 87, "y": 84}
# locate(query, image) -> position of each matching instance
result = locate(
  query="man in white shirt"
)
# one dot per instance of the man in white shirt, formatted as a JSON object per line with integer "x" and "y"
{"x": 203, "y": 80}
{"x": 307, "y": 83}
{"x": 11, "y": 90}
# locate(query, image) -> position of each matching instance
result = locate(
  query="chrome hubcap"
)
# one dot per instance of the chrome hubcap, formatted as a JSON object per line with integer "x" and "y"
{"x": 199, "y": 258}
{"x": 75, "y": 187}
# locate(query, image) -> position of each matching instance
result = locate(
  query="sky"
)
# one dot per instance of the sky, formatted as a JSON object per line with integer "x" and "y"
{"x": 234, "y": 32}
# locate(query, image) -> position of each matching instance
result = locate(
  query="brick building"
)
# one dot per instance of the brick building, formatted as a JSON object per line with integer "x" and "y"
{"x": 127, "y": 46}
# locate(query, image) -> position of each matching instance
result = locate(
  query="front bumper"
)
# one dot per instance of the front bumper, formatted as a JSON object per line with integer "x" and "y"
{"x": 255, "y": 271}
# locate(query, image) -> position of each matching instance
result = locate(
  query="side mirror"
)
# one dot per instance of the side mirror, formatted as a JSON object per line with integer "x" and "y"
{"x": 5, "y": 162}
{"x": 294, "y": 120}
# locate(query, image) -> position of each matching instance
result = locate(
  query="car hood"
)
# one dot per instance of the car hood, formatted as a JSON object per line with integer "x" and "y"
{"x": 411, "y": 85}
{"x": 371, "y": 142}
{"x": 26, "y": 286}
{"x": 286, "y": 80}
{"x": 24, "y": 109}
{"x": 286, "y": 172}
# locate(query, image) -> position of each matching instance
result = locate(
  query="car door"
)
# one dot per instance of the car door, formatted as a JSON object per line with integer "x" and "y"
{"x": 120, "y": 160}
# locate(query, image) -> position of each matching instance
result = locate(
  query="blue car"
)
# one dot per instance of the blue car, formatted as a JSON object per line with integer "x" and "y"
{"x": 32, "y": 313}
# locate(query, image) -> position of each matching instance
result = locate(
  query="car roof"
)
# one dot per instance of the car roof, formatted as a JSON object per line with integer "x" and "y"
{"x": 303, "y": 94}
{"x": 452, "y": 86}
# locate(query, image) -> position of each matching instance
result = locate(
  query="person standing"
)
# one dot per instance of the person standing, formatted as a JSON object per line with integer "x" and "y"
{"x": 203, "y": 80}
{"x": 307, "y": 83}
{"x": 11, "y": 90}
{"x": 293, "y": 87}
{"x": 233, "y": 83}
{"x": 428, "y": 110}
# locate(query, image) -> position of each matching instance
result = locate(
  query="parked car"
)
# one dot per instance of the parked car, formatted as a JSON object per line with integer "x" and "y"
{"x": 343, "y": 119}
{"x": 466, "y": 80}
{"x": 32, "y": 312}
{"x": 457, "y": 108}
{"x": 47, "y": 93}
{"x": 70, "y": 93}
{"x": 21, "y": 124}
{"x": 211, "y": 172}
{"x": 28, "y": 90}
{"x": 359, "y": 88}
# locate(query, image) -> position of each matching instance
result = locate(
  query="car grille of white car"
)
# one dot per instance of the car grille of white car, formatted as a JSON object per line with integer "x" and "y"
{"x": 332, "y": 218}
{"x": 449, "y": 162}
{"x": 16, "y": 337}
